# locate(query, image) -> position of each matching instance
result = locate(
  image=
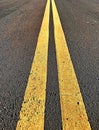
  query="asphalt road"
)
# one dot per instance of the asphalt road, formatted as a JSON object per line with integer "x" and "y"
{"x": 19, "y": 31}
{"x": 80, "y": 21}
{"x": 20, "y": 23}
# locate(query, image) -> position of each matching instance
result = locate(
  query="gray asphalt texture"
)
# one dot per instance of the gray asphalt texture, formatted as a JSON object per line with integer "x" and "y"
{"x": 18, "y": 38}
{"x": 20, "y": 22}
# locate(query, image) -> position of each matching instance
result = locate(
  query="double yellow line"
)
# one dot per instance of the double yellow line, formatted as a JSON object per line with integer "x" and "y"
{"x": 73, "y": 111}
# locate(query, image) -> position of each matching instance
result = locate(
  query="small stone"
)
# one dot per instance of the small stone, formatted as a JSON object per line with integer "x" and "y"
{"x": 78, "y": 103}
{"x": 66, "y": 118}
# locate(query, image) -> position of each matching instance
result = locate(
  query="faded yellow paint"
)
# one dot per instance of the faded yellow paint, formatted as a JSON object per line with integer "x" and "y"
{"x": 74, "y": 115}
{"x": 32, "y": 112}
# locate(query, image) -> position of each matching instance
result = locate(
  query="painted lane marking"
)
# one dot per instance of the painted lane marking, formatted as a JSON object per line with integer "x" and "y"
{"x": 32, "y": 112}
{"x": 74, "y": 115}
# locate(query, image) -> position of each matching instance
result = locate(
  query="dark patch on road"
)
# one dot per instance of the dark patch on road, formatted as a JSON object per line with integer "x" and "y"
{"x": 6, "y": 9}
{"x": 53, "y": 120}
{"x": 6, "y": 12}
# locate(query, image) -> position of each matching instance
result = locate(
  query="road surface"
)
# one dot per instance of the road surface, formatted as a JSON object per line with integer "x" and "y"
{"x": 29, "y": 47}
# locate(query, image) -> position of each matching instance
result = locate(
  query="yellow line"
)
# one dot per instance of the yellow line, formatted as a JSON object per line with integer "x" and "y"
{"x": 32, "y": 112}
{"x": 74, "y": 115}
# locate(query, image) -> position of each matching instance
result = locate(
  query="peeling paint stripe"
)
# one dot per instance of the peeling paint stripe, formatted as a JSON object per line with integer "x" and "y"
{"x": 32, "y": 111}
{"x": 74, "y": 115}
